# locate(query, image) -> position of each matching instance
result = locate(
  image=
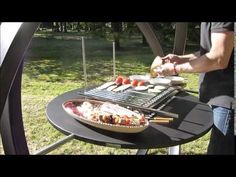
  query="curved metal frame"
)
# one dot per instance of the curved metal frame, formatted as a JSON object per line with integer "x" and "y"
{"x": 151, "y": 38}
{"x": 11, "y": 125}
{"x": 181, "y": 31}
{"x": 153, "y": 41}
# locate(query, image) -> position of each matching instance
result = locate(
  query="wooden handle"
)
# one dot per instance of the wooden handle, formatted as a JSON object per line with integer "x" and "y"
{"x": 163, "y": 118}
{"x": 160, "y": 121}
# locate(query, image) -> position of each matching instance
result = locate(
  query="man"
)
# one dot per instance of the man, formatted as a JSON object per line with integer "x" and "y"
{"x": 215, "y": 63}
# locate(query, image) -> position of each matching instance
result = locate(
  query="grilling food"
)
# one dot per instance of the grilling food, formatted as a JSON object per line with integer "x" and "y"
{"x": 122, "y": 88}
{"x": 119, "y": 80}
{"x": 155, "y": 64}
{"x": 126, "y": 81}
{"x": 112, "y": 87}
{"x": 134, "y": 83}
{"x": 141, "y": 83}
{"x": 106, "y": 113}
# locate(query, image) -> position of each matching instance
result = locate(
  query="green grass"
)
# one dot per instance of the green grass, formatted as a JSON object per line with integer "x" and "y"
{"x": 53, "y": 66}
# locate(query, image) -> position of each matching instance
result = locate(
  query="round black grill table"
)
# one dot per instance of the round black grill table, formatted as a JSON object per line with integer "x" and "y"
{"x": 195, "y": 120}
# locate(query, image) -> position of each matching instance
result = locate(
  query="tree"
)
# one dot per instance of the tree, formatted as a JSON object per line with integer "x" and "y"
{"x": 165, "y": 31}
{"x": 56, "y": 27}
{"x": 116, "y": 30}
{"x": 63, "y": 27}
{"x": 194, "y": 32}
{"x": 46, "y": 25}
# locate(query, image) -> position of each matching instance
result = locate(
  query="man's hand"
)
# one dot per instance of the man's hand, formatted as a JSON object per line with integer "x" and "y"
{"x": 166, "y": 70}
{"x": 162, "y": 66}
{"x": 172, "y": 58}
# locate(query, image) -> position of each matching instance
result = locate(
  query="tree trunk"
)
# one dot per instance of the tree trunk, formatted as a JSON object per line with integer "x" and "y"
{"x": 64, "y": 27}
{"x": 61, "y": 27}
{"x": 56, "y": 27}
{"x": 78, "y": 27}
{"x": 116, "y": 30}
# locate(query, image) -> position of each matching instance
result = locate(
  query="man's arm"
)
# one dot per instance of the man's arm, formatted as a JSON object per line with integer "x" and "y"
{"x": 217, "y": 58}
{"x": 190, "y": 56}
{"x": 179, "y": 59}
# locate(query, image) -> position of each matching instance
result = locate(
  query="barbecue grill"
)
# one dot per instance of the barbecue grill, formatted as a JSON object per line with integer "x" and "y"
{"x": 142, "y": 99}
{"x": 13, "y": 50}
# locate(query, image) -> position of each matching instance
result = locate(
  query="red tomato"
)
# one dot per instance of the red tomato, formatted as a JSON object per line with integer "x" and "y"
{"x": 119, "y": 80}
{"x": 140, "y": 83}
{"x": 134, "y": 83}
{"x": 126, "y": 81}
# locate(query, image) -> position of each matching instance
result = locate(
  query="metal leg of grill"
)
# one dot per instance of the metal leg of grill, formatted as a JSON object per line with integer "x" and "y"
{"x": 174, "y": 150}
{"x": 55, "y": 145}
{"x": 142, "y": 152}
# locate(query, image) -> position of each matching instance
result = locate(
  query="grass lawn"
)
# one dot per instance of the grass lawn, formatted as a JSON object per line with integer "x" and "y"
{"x": 53, "y": 66}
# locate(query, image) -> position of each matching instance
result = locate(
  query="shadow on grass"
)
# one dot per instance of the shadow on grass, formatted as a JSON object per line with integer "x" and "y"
{"x": 54, "y": 60}
{"x": 50, "y": 70}
{"x": 59, "y": 59}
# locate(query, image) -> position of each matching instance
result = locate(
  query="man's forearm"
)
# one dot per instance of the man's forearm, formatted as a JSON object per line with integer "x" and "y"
{"x": 190, "y": 56}
{"x": 202, "y": 64}
{"x": 217, "y": 58}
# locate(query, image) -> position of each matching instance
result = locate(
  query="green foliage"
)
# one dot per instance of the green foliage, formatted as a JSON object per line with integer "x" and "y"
{"x": 194, "y": 32}
{"x": 165, "y": 30}
{"x": 115, "y": 31}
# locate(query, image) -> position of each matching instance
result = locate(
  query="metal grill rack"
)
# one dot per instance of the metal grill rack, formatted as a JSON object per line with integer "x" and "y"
{"x": 129, "y": 96}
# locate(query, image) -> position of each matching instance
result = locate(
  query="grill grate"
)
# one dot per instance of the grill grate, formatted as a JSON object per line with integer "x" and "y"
{"x": 129, "y": 96}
